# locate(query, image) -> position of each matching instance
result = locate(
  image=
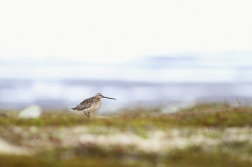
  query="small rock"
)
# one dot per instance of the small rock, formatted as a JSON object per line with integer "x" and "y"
{"x": 32, "y": 111}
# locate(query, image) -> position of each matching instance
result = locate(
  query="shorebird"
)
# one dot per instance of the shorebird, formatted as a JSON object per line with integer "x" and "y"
{"x": 91, "y": 104}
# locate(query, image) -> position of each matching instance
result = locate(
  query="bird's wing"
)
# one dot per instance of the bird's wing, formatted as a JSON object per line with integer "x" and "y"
{"x": 85, "y": 104}
{"x": 87, "y": 101}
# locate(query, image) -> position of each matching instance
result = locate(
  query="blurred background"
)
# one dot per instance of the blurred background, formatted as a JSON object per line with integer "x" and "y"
{"x": 166, "y": 54}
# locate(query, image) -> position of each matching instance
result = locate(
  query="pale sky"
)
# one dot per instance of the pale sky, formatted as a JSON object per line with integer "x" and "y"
{"x": 114, "y": 30}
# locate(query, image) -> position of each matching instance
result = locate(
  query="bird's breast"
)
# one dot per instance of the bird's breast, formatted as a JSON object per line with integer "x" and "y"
{"x": 95, "y": 106}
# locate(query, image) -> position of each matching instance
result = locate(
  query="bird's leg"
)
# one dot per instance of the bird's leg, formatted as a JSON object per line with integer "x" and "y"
{"x": 87, "y": 114}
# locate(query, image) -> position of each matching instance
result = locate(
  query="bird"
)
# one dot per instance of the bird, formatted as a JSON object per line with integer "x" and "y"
{"x": 91, "y": 104}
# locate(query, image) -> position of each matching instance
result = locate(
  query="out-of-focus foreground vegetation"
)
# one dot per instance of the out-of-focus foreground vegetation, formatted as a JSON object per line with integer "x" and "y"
{"x": 213, "y": 135}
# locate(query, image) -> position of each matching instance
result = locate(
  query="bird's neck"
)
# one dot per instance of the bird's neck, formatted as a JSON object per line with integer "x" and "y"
{"x": 98, "y": 100}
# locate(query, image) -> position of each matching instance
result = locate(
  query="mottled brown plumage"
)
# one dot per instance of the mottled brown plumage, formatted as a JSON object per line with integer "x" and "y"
{"x": 91, "y": 104}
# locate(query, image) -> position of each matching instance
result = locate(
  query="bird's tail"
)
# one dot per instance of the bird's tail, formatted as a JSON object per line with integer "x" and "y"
{"x": 74, "y": 108}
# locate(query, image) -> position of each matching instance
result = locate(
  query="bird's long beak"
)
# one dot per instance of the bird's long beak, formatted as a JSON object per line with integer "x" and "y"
{"x": 108, "y": 97}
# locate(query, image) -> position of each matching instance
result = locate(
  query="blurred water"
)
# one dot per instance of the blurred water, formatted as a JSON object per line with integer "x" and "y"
{"x": 152, "y": 81}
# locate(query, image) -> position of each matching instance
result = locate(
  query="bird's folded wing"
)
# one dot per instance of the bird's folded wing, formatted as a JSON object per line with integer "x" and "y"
{"x": 83, "y": 106}
{"x": 87, "y": 101}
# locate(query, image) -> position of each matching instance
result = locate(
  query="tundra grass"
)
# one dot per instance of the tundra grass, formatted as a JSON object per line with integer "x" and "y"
{"x": 223, "y": 117}
{"x": 226, "y": 130}
{"x": 92, "y": 156}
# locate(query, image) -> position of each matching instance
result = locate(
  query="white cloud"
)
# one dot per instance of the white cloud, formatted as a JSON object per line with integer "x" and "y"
{"x": 110, "y": 31}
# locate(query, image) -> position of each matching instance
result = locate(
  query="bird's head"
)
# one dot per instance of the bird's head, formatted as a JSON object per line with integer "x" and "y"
{"x": 99, "y": 96}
